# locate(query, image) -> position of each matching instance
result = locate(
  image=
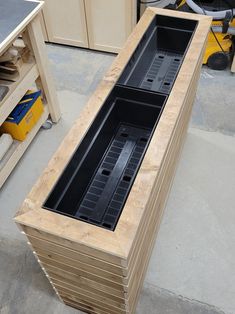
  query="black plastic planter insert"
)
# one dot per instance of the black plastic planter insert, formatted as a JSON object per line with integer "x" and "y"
{"x": 95, "y": 184}
{"x": 158, "y": 57}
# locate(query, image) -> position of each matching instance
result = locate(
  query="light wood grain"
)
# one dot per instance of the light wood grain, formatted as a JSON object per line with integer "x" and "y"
{"x": 74, "y": 279}
{"x": 102, "y": 25}
{"x": 109, "y": 23}
{"x": 85, "y": 274}
{"x": 84, "y": 297}
{"x": 125, "y": 252}
{"x": 45, "y": 246}
{"x": 90, "y": 303}
{"x": 43, "y": 26}
{"x": 39, "y": 50}
{"x": 52, "y": 258}
{"x": 66, "y": 22}
{"x": 83, "y": 307}
{"x": 103, "y": 297}
{"x": 233, "y": 65}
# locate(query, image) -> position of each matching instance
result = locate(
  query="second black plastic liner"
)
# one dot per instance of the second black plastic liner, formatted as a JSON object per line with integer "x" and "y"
{"x": 95, "y": 184}
{"x": 158, "y": 57}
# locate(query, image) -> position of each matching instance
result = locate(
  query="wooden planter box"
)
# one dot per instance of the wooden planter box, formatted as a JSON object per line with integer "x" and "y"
{"x": 95, "y": 253}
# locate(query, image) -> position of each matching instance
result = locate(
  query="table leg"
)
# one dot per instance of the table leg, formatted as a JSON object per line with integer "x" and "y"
{"x": 46, "y": 80}
{"x": 233, "y": 65}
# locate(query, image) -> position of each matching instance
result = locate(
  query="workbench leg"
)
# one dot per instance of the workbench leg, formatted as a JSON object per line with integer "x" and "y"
{"x": 46, "y": 80}
{"x": 233, "y": 65}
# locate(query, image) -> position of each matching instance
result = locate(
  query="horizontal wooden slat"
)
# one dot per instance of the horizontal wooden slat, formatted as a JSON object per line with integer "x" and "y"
{"x": 73, "y": 279}
{"x": 52, "y": 258}
{"x": 42, "y": 244}
{"x": 68, "y": 268}
{"x": 87, "y": 298}
{"x": 94, "y": 293}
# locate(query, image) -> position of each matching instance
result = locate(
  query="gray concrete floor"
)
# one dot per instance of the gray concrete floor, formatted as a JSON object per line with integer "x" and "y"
{"x": 192, "y": 266}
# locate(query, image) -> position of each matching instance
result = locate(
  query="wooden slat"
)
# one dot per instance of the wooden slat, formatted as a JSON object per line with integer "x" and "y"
{"x": 39, "y": 244}
{"x": 51, "y": 258}
{"x": 79, "y": 272}
{"x": 92, "y": 300}
{"x": 79, "y": 299}
{"x": 94, "y": 293}
{"x": 73, "y": 279}
{"x": 83, "y": 307}
{"x": 72, "y": 285}
{"x": 78, "y": 247}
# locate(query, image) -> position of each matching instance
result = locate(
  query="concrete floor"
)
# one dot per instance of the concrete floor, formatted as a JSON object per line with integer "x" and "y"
{"x": 192, "y": 265}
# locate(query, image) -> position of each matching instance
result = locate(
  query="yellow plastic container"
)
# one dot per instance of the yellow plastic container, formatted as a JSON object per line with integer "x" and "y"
{"x": 24, "y": 117}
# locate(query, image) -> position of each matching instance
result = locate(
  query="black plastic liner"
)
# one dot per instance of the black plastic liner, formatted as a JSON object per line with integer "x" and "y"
{"x": 157, "y": 59}
{"x": 107, "y": 192}
{"x": 96, "y": 182}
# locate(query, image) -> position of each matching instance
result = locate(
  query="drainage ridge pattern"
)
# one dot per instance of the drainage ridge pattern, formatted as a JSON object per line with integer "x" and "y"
{"x": 162, "y": 72}
{"x": 108, "y": 190}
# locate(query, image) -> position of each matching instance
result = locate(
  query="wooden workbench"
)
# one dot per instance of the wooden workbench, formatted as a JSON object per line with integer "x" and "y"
{"x": 90, "y": 268}
{"x": 18, "y": 17}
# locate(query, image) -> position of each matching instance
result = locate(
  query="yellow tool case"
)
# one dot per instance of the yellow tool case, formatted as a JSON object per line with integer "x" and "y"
{"x": 24, "y": 116}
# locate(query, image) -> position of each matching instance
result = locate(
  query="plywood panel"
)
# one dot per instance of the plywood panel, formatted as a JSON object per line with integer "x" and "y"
{"x": 109, "y": 23}
{"x": 66, "y": 22}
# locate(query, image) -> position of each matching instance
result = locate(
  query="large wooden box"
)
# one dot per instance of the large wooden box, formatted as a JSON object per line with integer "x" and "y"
{"x": 95, "y": 253}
